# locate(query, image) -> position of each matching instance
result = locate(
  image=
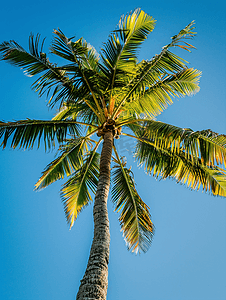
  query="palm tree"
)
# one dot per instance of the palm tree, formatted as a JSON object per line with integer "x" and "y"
{"x": 101, "y": 98}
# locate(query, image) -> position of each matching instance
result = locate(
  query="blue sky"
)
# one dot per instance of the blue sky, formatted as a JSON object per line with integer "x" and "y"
{"x": 40, "y": 258}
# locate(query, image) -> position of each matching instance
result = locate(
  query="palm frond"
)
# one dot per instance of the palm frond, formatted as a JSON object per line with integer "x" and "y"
{"x": 153, "y": 100}
{"x": 57, "y": 90}
{"x": 67, "y": 111}
{"x": 71, "y": 111}
{"x": 70, "y": 160}
{"x": 53, "y": 80}
{"x": 208, "y": 146}
{"x": 149, "y": 73}
{"x": 25, "y": 133}
{"x": 75, "y": 192}
{"x": 57, "y": 83}
{"x": 120, "y": 51}
{"x": 78, "y": 52}
{"x": 162, "y": 163}
{"x": 134, "y": 217}
{"x": 183, "y": 83}
{"x": 85, "y": 64}
{"x": 33, "y": 63}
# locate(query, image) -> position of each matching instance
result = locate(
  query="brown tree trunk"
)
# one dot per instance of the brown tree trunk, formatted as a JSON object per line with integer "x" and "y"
{"x": 95, "y": 281}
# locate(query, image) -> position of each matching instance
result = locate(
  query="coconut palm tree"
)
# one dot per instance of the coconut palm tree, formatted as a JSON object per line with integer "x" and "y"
{"x": 104, "y": 97}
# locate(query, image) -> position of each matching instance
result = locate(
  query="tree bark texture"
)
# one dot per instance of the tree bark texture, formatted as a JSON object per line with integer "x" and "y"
{"x": 95, "y": 281}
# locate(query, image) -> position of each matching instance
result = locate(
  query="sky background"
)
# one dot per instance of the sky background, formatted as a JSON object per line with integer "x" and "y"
{"x": 41, "y": 259}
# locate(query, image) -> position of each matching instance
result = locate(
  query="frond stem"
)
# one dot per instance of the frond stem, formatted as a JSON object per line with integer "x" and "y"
{"x": 139, "y": 139}
{"x": 131, "y": 122}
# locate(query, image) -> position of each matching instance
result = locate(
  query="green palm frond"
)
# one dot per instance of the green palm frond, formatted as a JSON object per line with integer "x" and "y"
{"x": 167, "y": 62}
{"x": 155, "y": 99}
{"x": 212, "y": 147}
{"x": 53, "y": 80}
{"x": 184, "y": 83}
{"x": 78, "y": 52}
{"x": 149, "y": 73}
{"x": 75, "y": 192}
{"x": 67, "y": 111}
{"x": 208, "y": 146}
{"x": 71, "y": 111}
{"x": 193, "y": 173}
{"x": 70, "y": 159}
{"x": 134, "y": 217}
{"x": 120, "y": 51}
{"x": 85, "y": 67}
{"x": 25, "y": 133}
{"x": 32, "y": 63}
{"x": 134, "y": 29}
{"x": 57, "y": 90}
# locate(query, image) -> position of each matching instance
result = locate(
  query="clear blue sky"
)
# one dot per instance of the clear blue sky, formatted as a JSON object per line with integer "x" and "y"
{"x": 40, "y": 258}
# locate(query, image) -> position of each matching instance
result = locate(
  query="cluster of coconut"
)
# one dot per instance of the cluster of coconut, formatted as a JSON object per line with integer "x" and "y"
{"x": 109, "y": 125}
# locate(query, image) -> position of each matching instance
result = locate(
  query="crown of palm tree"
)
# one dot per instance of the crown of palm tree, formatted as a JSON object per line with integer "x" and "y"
{"x": 113, "y": 91}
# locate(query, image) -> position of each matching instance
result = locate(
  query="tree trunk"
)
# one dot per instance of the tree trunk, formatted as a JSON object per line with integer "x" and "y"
{"x": 95, "y": 281}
